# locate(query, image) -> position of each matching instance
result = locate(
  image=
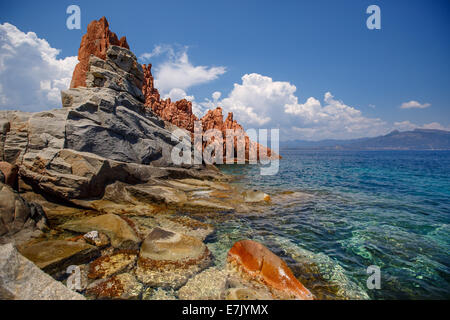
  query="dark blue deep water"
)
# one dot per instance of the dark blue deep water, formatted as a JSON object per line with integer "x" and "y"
{"x": 334, "y": 213}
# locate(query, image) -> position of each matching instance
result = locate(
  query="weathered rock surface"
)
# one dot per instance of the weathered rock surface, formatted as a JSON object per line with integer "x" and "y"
{"x": 95, "y": 42}
{"x": 9, "y": 173}
{"x": 123, "y": 286}
{"x": 54, "y": 256}
{"x": 20, "y": 220}
{"x": 168, "y": 259}
{"x": 255, "y": 262}
{"x": 118, "y": 230}
{"x": 20, "y": 279}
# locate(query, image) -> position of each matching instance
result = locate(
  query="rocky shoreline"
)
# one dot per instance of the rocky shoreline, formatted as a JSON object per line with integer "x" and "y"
{"x": 90, "y": 199}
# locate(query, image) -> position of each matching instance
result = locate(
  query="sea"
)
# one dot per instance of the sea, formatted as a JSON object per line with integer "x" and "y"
{"x": 352, "y": 224}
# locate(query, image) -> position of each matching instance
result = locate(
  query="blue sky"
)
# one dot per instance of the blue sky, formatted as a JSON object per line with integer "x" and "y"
{"x": 319, "y": 47}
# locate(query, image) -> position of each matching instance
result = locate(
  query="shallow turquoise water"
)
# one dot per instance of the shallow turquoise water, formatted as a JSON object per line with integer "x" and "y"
{"x": 351, "y": 210}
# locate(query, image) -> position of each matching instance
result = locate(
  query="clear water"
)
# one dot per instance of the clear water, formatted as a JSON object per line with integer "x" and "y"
{"x": 350, "y": 210}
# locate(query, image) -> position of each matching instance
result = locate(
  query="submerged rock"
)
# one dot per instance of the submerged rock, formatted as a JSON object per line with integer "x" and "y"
{"x": 109, "y": 265}
{"x": 54, "y": 256}
{"x": 123, "y": 286}
{"x": 117, "y": 229}
{"x": 168, "y": 259}
{"x": 209, "y": 284}
{"x": 255, "y": 196}
{"x": 20, "y": 279}
{"x": 96, "y": 238}
{"x": 255, "y": 262}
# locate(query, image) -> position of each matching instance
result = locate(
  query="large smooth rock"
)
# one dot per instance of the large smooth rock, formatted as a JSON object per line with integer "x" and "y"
{"x": 251, "y": 259}
{"x": 54, "y": 256}
{"x": 20, "y": 279}
{"x": 169, "y": 259}
{"x": 117, "y": 229}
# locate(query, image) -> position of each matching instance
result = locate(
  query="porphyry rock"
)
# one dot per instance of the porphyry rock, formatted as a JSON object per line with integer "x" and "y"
{"x": 95, "y": 42}
{"x": 253, "y": 260}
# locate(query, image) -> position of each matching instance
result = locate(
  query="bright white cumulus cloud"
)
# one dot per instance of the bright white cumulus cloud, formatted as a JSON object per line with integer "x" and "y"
{"x": 31, "y": 75}
{"x": 177, "y": 72}
{"x": 259, "y": 101}
{"x": 414, "y": 105}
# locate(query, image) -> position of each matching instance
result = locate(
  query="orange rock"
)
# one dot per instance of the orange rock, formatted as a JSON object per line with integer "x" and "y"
{"x": 180, "y": 114}
{"x": 262, "y": 265}
{"x": 96, "y": 41}
{"x": 10, "y": 172}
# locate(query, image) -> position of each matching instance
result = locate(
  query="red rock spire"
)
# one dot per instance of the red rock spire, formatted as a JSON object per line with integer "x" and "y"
{"x": 96, "y": 41}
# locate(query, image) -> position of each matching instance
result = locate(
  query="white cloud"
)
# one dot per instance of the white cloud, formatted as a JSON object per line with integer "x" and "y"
{"x": 178, "y": 72}
{"x": 157, "y": 51}
{"x": 178, "y": 94}
{"x": 31, "y": 75}
{"x": 408, "y": 125}
{"x": 261, "y": 102}
{"x": 216, "y": 95}
{"x": 414, "y": 105}
{"x": 435, "y": 125}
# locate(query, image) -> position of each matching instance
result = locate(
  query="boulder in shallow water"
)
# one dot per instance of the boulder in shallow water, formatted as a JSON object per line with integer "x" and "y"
{"x": 254, "y": 261}
{"x": 168, "y": 259}
{"x": 20, "y": 279}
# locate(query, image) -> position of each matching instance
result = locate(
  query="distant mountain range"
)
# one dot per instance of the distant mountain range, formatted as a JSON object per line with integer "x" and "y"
{"x": 418, "y": 139}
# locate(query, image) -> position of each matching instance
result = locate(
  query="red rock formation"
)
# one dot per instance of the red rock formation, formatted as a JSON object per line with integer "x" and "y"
{"x": 180, "y": 114}
{"x": 96, "y": 41}
{"x": 260, "y": 264}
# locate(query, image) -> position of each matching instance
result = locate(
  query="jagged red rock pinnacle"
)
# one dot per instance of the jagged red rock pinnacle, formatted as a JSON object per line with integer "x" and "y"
{"x": 96, "y": 41}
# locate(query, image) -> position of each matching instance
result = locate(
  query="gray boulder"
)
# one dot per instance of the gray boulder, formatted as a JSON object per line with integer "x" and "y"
{"x": 103, "y": 134}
